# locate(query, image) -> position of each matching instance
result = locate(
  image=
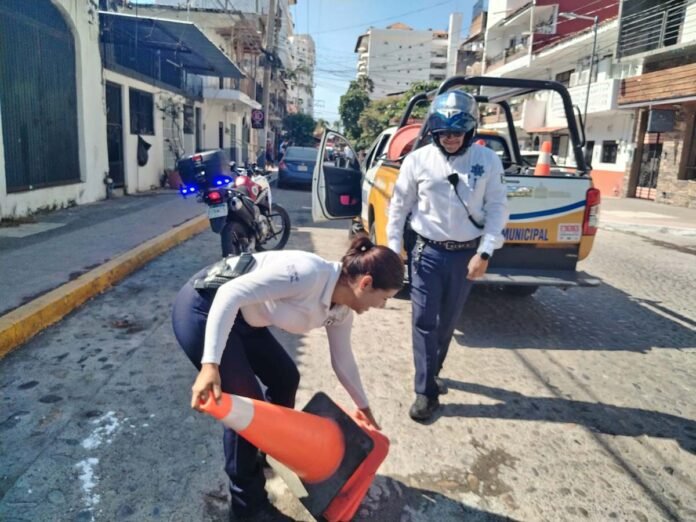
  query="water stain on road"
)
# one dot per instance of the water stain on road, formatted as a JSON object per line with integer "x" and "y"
{"x": 482, "y": 477}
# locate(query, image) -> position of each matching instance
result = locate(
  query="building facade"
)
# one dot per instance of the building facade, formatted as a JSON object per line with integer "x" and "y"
{"x": 301, "y": 80}
{"x": 397, "y": 57}
{"x": 555, "y": 41}
{"x": 111, "y": 108}
{"x": 53, "y": 147}
{"x": 659, "y": 39}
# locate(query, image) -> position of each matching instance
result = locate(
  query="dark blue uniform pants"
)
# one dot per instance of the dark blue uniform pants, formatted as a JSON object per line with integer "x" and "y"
{"x": 250, "y": 353}
{"x": 439, "y": 289}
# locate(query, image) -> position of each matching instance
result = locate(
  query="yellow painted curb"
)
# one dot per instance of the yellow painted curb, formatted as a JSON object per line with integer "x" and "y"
{"x": 24, "y": 322}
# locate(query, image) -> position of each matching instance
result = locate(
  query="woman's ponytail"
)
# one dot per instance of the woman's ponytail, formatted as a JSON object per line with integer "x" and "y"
{"x": 364, "y": 257}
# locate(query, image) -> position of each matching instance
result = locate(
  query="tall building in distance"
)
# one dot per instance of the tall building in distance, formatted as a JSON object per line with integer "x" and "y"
{"x": 399, "y": 56}
{"x": 301, "y": 76}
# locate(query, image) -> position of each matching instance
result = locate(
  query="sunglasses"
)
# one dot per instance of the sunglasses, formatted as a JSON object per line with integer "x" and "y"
{"x": 450, "y": 134}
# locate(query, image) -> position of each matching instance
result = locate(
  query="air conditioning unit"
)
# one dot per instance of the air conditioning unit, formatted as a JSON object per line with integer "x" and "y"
{"x": 574, "y": 79}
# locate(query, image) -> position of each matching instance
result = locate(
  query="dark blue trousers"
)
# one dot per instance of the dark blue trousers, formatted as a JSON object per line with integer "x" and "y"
{"x": 250, "y": 353}
{"x": 439, "y": 289}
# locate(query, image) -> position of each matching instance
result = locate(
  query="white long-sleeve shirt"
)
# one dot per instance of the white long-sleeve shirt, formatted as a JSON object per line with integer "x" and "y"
{"x": 291, "y": 290}
{"x": 423, "y": 190}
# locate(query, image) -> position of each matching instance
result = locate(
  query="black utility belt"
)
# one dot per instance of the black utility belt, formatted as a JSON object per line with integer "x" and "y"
{"x": 451, "y": 246}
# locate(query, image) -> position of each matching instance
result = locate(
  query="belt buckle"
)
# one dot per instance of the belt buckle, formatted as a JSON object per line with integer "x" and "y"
{"x": 450, "y": 245}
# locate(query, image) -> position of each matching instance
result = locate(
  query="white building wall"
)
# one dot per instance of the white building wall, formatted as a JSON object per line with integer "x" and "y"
{"x": 301, "y": 90}
{"x": 500, "y": 9}
{"x": 615, "y": 126}
{"x": 143, "y": 178}
{"x": 91, "y": 119}
{"x": 397, "y": 59}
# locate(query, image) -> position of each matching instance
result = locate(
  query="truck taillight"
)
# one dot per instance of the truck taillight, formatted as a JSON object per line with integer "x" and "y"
{"x": 591, "y": 219}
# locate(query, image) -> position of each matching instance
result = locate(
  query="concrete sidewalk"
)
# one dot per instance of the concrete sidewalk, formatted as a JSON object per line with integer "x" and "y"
{"x": 639, "y": 215}
{"x": 60, "y": 259}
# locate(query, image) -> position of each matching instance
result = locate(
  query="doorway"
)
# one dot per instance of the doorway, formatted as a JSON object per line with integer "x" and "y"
{"x": 649, "y": 170}
{"x": 114, "y": 133}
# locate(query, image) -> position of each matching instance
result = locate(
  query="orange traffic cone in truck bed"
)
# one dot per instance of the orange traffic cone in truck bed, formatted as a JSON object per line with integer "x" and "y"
{"x": 543, "y": 165}
{"x": 333, "y": 456}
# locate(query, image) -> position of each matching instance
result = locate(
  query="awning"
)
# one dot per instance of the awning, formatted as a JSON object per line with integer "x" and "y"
{"x": 544, "y": 130}
{"x": 179, "y": 43}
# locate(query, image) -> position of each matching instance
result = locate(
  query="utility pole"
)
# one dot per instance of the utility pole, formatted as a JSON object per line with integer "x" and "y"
{"x": 592, "y": 59}
{"x": 269, "y": 46}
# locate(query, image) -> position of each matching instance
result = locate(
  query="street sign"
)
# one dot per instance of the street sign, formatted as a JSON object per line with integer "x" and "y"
{"x": 257, "y": 119}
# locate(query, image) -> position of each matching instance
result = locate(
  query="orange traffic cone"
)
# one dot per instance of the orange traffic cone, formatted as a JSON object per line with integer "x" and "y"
{"x": 311, "y": 446}
{"x": 344, "y": 505}
{"x": 335, "y": 455}
{"x": 543, "y": 165}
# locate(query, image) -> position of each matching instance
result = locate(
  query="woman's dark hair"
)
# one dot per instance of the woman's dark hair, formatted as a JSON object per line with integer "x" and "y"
{"x": 384, "y": 265}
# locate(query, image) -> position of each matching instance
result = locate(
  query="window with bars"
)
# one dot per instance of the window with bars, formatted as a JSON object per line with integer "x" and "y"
{"x": 141, "y": 107}
{"x": 610, "y": 150}
{"x": 188, "y": 119}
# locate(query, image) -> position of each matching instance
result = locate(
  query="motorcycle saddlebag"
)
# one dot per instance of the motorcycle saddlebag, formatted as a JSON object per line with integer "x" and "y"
{"x": 210, "y": 164}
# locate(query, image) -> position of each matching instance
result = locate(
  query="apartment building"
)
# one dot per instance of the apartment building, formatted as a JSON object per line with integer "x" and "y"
{"x": 470, "y": 54}
{"x": 659, "y": 39}
{"x": 301, "y": 77}
{"x": 554, "y": 41}
{"x": 238, "y": 28}
{"x": 398, "y": 56}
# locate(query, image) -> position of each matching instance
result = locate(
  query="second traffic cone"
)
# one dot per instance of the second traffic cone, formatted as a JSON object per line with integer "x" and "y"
{"x": 543, "y": 165}
{"x": 311, "y": 446}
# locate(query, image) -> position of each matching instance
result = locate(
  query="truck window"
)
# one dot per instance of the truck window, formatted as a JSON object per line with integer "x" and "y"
{"x": 377, "y": 151}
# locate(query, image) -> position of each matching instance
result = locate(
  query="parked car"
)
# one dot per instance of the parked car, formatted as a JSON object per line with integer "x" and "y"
{"x": 297, "y": 166}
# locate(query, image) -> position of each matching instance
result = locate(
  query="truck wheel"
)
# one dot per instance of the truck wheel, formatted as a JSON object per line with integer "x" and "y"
{"x": 520, "y": 291}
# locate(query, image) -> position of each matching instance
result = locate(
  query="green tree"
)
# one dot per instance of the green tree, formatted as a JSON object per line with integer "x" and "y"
{"x": 299, "y": 129}
{"x": 352, "y": 104}
{"x": 388, "y": 111}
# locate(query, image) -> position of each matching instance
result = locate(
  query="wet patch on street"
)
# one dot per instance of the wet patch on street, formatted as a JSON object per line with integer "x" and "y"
{"x": 130, "y": 326}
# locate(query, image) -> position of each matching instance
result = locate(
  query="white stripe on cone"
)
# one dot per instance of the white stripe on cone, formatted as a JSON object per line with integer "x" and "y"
{"x": 241, "y": 414}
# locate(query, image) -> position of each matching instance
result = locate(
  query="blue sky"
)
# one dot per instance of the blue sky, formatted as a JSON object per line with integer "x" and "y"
{"x": 335, "y": 26}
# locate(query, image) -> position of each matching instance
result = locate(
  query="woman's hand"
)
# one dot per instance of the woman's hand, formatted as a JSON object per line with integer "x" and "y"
{"x": 208, "y": 381}
{"x": 365, "y": 415}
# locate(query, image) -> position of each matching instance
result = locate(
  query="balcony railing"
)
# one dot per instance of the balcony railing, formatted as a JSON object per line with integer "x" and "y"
{"x": 603, "y": 97}
{"x": 498, "y": 116}
{"x": 508, "y": 55}
{"x": 655, "y": 28}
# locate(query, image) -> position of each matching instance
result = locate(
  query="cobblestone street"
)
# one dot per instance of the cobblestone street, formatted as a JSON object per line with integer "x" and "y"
{"x": 572, "y": 405}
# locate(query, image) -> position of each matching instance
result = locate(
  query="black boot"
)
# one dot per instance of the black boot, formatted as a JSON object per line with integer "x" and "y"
{"x": 441, "y": 386}
{"x": 423, "y": 408}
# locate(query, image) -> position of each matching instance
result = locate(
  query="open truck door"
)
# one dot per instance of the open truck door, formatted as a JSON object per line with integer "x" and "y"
{"x": 337, "y": 179}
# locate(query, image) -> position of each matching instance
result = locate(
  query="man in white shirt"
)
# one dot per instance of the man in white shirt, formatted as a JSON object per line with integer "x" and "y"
{"x": 455, "y": 194}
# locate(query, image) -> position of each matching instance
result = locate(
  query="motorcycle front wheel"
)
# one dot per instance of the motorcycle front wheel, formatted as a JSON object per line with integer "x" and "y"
{"x": 279, "y": 222}
{"x": 235, "y": 239}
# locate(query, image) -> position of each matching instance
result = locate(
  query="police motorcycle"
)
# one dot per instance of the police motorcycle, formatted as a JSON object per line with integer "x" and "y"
{"x": 240, "y": 206}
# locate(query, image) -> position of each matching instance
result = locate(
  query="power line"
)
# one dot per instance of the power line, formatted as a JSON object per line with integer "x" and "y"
{"x": 382, "y": 19}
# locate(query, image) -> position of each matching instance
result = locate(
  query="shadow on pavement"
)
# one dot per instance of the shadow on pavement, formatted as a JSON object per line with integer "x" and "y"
{"x": 598, "y": 417}
{"x": 602, "y": 318}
